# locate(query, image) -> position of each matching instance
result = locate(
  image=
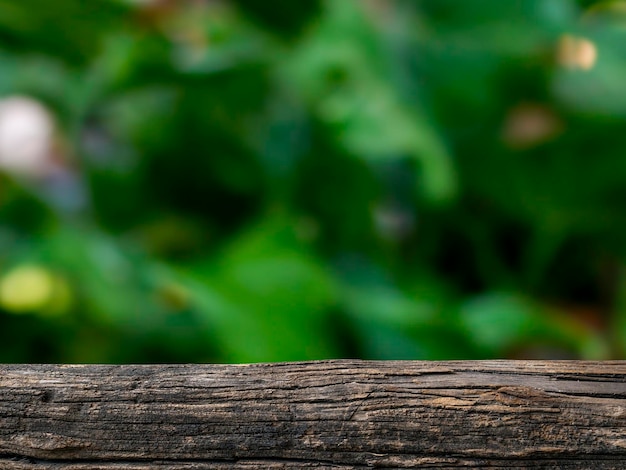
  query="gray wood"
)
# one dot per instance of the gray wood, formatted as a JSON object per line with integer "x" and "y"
{"x": 329, "y": 414}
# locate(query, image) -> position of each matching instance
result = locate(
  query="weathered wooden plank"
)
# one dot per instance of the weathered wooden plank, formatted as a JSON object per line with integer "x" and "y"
{"x": 330, "y": 414}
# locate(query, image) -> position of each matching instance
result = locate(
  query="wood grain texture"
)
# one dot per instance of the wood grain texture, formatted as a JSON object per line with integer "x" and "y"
{"x": 330, "y": 414}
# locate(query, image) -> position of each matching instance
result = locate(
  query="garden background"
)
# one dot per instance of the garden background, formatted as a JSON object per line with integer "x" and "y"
{"x": 242, "y": 181}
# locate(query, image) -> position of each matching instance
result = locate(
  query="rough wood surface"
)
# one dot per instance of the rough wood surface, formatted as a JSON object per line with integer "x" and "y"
{"x": 332, "y": 414}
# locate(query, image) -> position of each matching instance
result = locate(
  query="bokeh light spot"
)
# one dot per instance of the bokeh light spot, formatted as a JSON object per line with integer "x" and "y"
{"x": 26, "y": 288}
{"x": 576, "y": 52}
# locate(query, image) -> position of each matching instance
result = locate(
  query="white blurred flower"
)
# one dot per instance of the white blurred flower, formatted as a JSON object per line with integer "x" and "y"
{"x": 30, "y": 150}
{"x": 26, "y": 136}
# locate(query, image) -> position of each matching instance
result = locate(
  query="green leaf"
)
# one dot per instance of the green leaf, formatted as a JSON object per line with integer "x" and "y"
{"x": 266, "y": 297}
{"x": 341, "y": 71}
{"x": 501, "y": 323}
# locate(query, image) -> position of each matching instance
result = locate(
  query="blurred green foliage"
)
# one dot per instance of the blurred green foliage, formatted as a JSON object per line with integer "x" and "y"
{"x": 234, "y": 181}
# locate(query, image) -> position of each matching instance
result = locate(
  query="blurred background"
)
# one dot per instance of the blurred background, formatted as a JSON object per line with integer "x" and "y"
{"x": 242, "y": 181}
